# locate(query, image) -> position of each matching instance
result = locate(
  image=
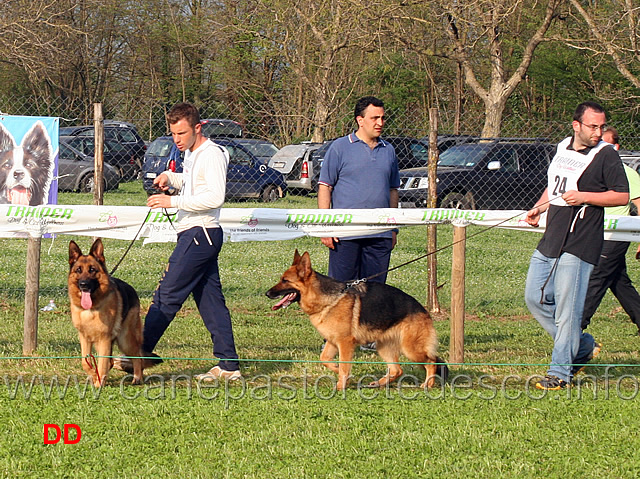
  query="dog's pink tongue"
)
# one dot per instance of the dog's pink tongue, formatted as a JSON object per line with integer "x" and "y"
{"x": 19, "y": 196}
{"x": 284, "y": 302}
{"x": 85, "y": 300}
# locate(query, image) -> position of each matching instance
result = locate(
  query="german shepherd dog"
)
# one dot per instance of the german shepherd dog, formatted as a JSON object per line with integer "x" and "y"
{"x": 103, "y": 310}
{"x": 349, "y": 315}
{"x": 26, "y": 171}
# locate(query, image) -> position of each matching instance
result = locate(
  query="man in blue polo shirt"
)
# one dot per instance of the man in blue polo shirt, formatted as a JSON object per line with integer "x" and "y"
{"x": 360, "y": 170}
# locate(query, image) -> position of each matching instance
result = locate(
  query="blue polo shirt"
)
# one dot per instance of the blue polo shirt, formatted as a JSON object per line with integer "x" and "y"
{"x": 361, "y": 177}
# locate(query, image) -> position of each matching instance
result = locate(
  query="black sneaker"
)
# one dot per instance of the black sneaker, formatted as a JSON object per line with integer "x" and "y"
{"x": 368, "y": 347}
{"x": 551, "y": 383}
{"x": 578, "y": 368}
{"x": 125, "y": 364}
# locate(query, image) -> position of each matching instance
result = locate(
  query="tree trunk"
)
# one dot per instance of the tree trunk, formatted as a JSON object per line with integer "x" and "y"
{"x": 494, "y": 109}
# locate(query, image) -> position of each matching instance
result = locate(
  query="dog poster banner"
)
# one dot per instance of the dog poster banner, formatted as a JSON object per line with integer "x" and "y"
{"x": 263, "y": 224}
{"x": 28, "y": 160}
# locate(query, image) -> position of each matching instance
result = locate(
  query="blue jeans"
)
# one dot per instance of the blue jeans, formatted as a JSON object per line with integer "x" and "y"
{"x": 559, "y": 309}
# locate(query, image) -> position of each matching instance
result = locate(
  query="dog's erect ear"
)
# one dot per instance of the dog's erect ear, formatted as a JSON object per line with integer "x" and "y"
{"x": 74, "y": 252}
{"x": 296, "y": 257}
{"x": 97, "y": 250}
{"x": 37, "y": 142}
{"x": 6, "y": 139}
{"x": 304, "y": 266}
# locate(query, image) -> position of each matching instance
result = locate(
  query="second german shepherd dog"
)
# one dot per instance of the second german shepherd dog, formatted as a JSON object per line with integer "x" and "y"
{"x": 350, "y": 315}
{"x": 104, "y": 310}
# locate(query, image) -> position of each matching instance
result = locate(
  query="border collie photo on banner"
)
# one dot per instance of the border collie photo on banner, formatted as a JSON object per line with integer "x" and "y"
{"x": 28, "y": 160}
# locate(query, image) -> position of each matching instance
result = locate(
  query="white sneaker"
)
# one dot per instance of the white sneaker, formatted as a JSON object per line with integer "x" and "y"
{"x": 216, "y": 373}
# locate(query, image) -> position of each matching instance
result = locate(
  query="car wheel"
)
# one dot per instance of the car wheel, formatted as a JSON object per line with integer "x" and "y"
{"x": 270, "y": 194}
{"x": 137, "y": 173}
{"x": 458, "y": 201}
{"x": 87, "y": 184}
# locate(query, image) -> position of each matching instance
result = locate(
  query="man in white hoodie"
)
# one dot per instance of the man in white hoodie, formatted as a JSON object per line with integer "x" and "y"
{"x": 193, "y": 265}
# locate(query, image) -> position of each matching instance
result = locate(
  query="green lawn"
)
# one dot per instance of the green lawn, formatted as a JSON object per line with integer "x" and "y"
{"x": 285, "y": 420}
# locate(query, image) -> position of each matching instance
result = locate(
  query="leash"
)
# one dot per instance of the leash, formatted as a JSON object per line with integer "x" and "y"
{"x": 92, "y": 362}
{"x": 131, "y": 243}
{"x": 165, "y": 213}
{"x": 364, "y": 280}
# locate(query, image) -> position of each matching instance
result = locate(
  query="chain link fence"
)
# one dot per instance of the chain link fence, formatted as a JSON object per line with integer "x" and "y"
{"x": 500, "y": 173}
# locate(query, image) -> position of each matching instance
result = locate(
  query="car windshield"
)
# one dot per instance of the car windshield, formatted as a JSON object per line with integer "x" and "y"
{"x": 160, "y": 147}
{"x": 212, "y": 128}
{"x": 420, "y": 152}
{"x": 466, "y": 156}
{"x": 261, "y": 149}
{"x": 290, "y": 151}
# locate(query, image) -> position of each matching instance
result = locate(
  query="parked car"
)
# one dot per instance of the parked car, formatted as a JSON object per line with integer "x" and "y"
{"x": 114, "y": 153}
{"x": 161, "y": 155}
{"x": 261, "y": 149}
{"x": 411, "y": 152}
{"x": 76, "y": 171}
{"x": 446, "y": 141}
{"x": 317, "y": 159}
{"x": 631, "y": 158}
{"x": 125, "y": 143}
{"x": 247, "y": 176}
{"x": 298, "y": 167}
{"x": 220, "y": 128}
{"x": 498, "y": 174}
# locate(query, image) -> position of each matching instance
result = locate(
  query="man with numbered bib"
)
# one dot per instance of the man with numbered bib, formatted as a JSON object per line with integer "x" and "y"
{"x": 585, "y": 175}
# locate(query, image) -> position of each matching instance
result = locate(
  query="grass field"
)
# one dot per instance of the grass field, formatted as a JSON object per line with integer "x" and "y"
{"x": 285, "y": 420}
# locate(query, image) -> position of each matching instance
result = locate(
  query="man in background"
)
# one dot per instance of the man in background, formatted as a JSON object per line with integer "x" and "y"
{"x": 611, "y": 270}
{"x": 360, "y": 170}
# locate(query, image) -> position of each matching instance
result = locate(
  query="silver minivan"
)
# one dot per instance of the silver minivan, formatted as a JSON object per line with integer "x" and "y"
{"x": 300, "y": 170}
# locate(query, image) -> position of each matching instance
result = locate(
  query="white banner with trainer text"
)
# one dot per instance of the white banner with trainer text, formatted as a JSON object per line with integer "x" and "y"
{"x": 262, "y": 224}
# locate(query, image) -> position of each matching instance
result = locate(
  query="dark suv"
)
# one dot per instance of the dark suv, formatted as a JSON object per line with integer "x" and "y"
{"x": 411, "y": 152}
{"x": 495, "y": 174}
{"x": 124, "y": 140}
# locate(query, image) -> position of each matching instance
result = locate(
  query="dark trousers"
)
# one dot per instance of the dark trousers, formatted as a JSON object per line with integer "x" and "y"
{"x": 193, "y": 268}
{"x": 360, "y": 258}
{"x": 611, "y": 273}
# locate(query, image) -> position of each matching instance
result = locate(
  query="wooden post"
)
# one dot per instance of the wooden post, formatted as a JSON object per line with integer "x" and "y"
{"x": 32, "y": 287}
{"x": 456, "y": 341}
{"x": 98, "y": 124}
{"x": 432, "y": 238}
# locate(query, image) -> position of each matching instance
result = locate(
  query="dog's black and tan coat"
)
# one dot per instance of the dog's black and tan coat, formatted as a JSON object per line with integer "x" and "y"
{"x": 359, "y": 314}
{"x": 104, "y": 310}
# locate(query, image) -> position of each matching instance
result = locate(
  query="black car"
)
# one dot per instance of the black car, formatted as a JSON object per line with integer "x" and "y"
{"x": 261, "y": 149}
{"x": 247, "y": 176}
{"x": 497, "y": 174}
{"x": 221, "y": 128}
{"x": 113, "y": 153}
{"x": 76, "y": 171}
{"x": 446, "y": 141}
{"x": 411, "y": 152}
{"x": 126, "y": 145}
